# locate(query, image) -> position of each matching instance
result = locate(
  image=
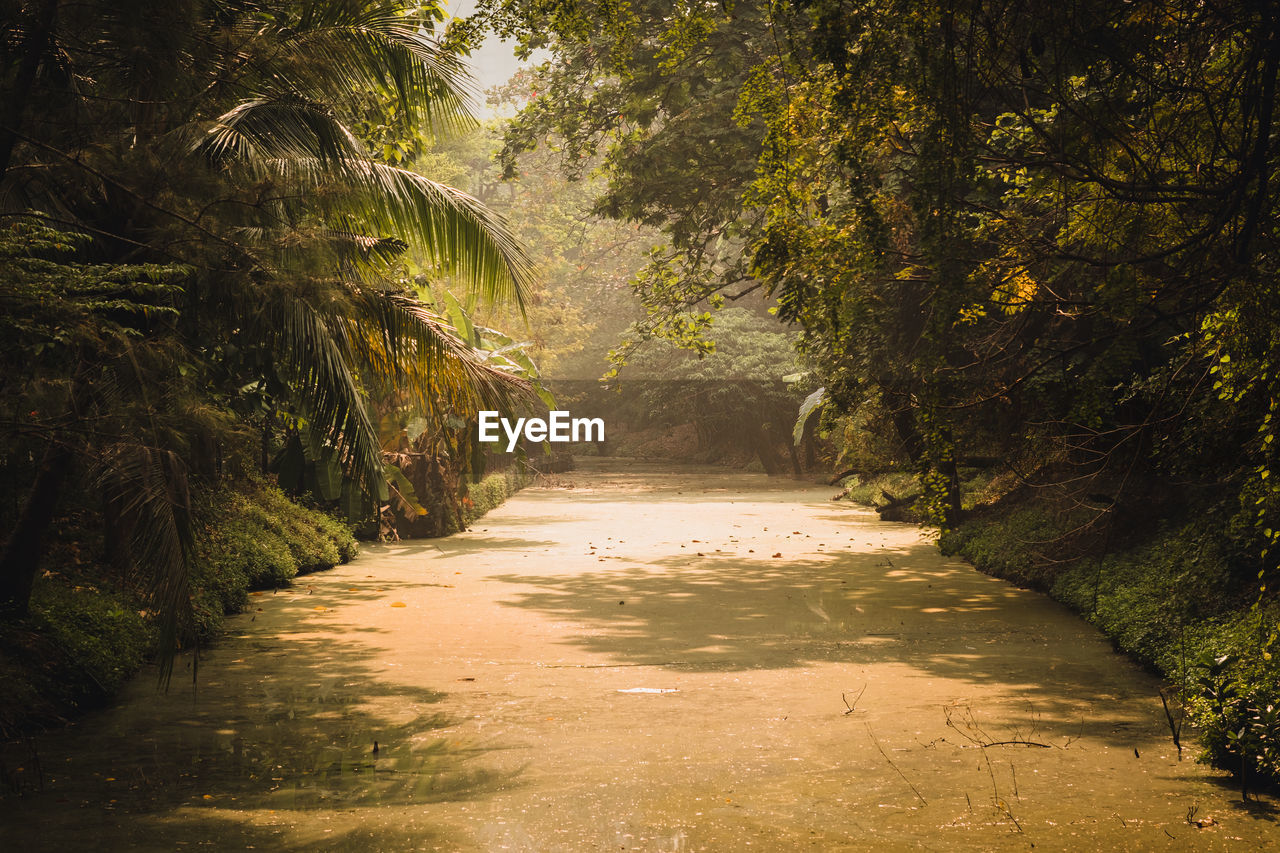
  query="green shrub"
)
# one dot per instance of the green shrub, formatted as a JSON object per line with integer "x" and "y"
{"x": 310, "y": 545}
{"x": 252, "y": 536}
{"x": 490, "y": 492}
{"x": 220, "y": 575}
{"x": 102, "y": 633}
{"x": 344, "y": 541}
{"x": 1174, "y": 601}
{"x": 1009, "y": 545}
{"x": 81, "y": 642}
{"x": 870, "y": 490}
{"x": 1233, "y": 692}
{"x": 77, "y": 646}
{"x": 1146, "y": 598}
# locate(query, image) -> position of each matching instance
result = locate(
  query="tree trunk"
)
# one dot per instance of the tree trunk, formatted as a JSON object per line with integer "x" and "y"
{"x": 764, "y": 450}
{"x": 25, "y": 547}
{"x": 796, "y": 468}
{"x": 948, "y": 469}
{"x": 809, "y": 442}
{"x": 904, "y": 422}
{"x": 34, "y": 48}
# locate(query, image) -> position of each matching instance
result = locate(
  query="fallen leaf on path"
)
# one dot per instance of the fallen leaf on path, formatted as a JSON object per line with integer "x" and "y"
{"x": 319, "y": 607}
{"x": 398, "y": 604}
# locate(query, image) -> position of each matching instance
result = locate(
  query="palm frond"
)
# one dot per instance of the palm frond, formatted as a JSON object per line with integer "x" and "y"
{"x": 149, "y": 487}
{"x": 372, "y": 46}
{"x": 281, "y": 125}
{"x": 399, "y": 339}
{"x": 316, "y": 362}
{"x": 352, "y": 245}
{"x": 458, "y": 233}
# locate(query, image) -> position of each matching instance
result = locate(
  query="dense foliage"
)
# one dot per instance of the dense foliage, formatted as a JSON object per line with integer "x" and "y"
{"x": 213, "y": 256}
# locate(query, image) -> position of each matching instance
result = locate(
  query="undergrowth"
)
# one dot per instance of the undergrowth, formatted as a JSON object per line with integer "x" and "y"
{"x": 1179, "y": 596}
{"x": 88, "y": 629}
{"x": 1176, "y": 596}
{"x": 254, "y": 537}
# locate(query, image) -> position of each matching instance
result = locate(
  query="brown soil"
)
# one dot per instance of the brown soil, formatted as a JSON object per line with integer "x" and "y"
{"x": 649, "y": 661}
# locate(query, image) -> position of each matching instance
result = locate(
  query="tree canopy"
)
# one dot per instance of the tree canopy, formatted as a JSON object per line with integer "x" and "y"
{"x": 1017, "y": 229}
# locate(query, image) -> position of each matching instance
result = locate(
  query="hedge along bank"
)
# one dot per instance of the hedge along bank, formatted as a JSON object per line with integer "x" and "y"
{"x": 559, "y": 426}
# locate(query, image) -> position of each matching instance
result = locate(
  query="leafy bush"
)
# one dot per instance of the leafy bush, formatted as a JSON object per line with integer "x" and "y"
{"x": 1146, "y": 598}
{"x": 344, "y": 541}
{"x": 871, "y": 490}
{"x": 76, "y": 647}
{"x": 1009, "y": 544}
{"x": 1233, "y": 692}
{"x": 102, "y": 633}
{"x": 490, "y": 492}
{"x": 1175, "y": 602}
{"x": 252, "y": 536}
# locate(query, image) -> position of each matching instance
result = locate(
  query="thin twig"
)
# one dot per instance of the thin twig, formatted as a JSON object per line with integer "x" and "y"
{"x": 854, "y": 706}
{"x": 894, "y": 766}
{"x": 1175, "y": 729}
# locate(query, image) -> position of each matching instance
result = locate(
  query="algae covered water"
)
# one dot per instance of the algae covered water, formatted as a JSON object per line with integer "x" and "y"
{"x": 648, "y": 659}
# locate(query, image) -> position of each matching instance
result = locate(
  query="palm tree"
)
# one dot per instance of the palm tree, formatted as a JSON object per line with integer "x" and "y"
{"x": 208, "y": 146}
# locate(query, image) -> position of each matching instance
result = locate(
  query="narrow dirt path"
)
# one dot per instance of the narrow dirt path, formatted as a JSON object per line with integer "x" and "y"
{"x": 644, "y": 661}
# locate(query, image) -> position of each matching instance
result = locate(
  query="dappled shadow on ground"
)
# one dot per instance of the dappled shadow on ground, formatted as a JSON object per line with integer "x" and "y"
{"x": 905, "y": 605}
{"x": 1264, "y": 807}
{"x": 272, "y": 747}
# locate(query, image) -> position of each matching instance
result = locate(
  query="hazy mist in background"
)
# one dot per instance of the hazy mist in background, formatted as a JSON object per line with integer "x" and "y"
{"x": 494, "y": 62}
